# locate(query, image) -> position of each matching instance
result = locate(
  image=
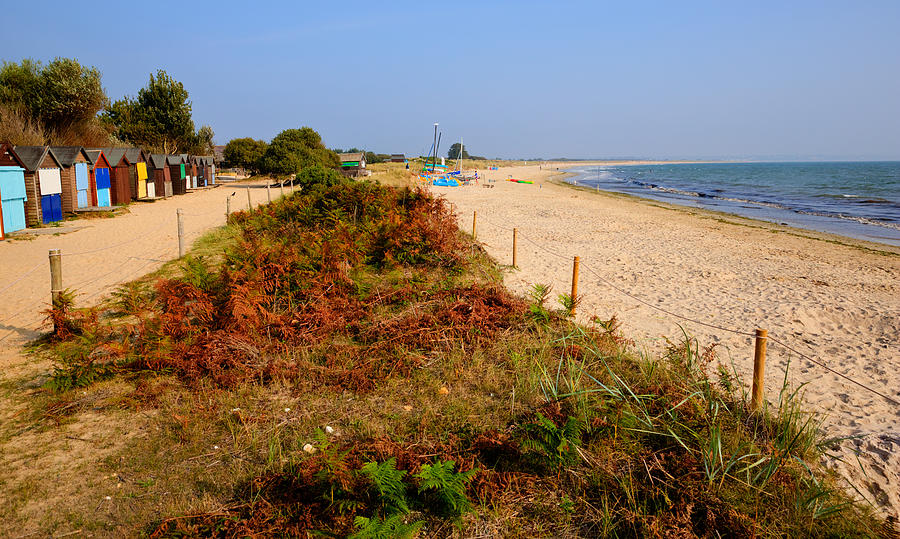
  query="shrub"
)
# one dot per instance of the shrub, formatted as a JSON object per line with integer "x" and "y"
{"x": 319, "y": 176}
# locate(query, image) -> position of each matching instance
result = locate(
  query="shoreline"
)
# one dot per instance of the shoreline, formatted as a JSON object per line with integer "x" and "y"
{"x": 834, "y": 298}
{"x": 869, "y": 246}
{"x": 852, "y": 227}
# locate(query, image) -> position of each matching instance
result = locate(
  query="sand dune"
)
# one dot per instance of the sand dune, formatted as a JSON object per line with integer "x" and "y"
{"x": 838, "y": 303}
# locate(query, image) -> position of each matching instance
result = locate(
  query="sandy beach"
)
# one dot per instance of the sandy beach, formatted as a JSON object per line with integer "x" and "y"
{"x": 834, "y": 299}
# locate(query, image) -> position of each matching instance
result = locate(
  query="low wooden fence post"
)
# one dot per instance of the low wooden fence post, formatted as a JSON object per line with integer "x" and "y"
{"x": 575, "y": 263}
{"x": 227, "y": 207}
{"x": 759, "y": 368}
{"x": 269, "y": 191}
{"x": 474, "y": 219}
{"x": 515, "y": 237}
{"x": 282, "y": 188}
{"x": 55, "y": 276}
{"x": 249, "y": 204}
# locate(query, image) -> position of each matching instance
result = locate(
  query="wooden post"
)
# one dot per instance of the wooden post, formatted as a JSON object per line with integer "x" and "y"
{"x": 282, "y": 188}
{"x": 249, "y": 204}
{"x": 55, "y": 275}
{"x": 180, "y": 213}
{"x": 227, "y": 207}
{"x": 474, "y": 219}
{"x": 269, "y": 191}
{"x": 515, "y": 237}
{"x": 575, "y": 264}
{"x": 759, "y": 368}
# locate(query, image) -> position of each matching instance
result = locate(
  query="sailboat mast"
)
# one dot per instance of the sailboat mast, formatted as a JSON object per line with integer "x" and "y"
{"x": 434, "y": 148}
{"x": 436, "y": 151}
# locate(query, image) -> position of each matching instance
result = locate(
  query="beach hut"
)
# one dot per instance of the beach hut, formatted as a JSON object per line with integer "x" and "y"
{"x": 208, "y": 165}
{"x": 43, "y": 185}
{"x": 200, "y": 167}
{"x": 198, "y": 173}
{"x": 189, "y": 175}
{"x": 75, "y": 176}
{"x": 177, "y": 172}
{"x": 120, "y": 183}
{"x": 353, "y": 164}
{"x": 158, "y": 171}
{"x": 137, "y": 172}
{"x": 100, "y": 177}
{"x": 12, "y": 191}
{"x": 398, "y": 158}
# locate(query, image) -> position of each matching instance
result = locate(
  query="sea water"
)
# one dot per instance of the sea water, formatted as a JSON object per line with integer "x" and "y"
{"x": 855, "y": 199}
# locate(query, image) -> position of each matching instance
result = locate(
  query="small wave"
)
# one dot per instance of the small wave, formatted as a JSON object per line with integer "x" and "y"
{"x": 749, "y": 204}
{"x": 858, "y": 199}
{"x": 862, "y": 220}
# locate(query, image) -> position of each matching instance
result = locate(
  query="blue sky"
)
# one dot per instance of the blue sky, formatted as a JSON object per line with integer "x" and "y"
{"x": 808, "y": 80}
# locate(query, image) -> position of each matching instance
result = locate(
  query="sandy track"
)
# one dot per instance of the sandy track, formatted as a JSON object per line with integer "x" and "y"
{"x": 99, "y": 254}
{"x": 838, "y": 303}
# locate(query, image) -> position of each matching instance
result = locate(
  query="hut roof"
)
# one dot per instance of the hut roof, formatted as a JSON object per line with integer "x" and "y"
{"x": 157, "y": 160}
{"x": 115, "y": 155}
{"x": 66, "y": 155}
{"x": 8, "y": 155}
{"x": 133, "y": 155}
{"x": 356, "y": 156}
{"x": 174, "y": 160}
{"x": 32, "y": 156}
{"x": 97, "y": 155}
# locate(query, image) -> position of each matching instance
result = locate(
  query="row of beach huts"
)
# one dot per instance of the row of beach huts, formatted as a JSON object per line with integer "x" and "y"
{"x": 40, "y": 184}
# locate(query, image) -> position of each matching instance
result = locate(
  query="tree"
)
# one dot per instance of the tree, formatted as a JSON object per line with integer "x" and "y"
{"x": 204, "y": 144}
{"x": 159, "y": 118}
{"x": 372, "y": 157}
{"x": 244, "y": 153}
{"x": 453, "y": 152}
{"x": 61, "y": 99}
{"x": 295, "y": 149}
{"x": 71, "y": 94}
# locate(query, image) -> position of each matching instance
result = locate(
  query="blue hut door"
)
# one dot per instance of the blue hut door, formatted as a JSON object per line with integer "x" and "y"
{"x": 101, "y": 175}
{"x": 51, "y": 195}
{"x": 51, "y": 208}
{"x": 12, "y": 198}
{"x": 81, "y": 185}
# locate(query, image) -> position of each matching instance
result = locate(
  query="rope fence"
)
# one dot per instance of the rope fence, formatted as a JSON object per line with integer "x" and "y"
{"x": 517, "y": 234}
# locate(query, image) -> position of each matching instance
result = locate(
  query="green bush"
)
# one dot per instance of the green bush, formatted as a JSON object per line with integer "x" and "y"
{"x": 318, "y": 176}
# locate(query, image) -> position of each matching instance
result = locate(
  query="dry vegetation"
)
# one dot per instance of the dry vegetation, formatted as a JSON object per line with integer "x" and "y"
{"x": 345, "y": 361}
{"x": 17, "y": 128}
